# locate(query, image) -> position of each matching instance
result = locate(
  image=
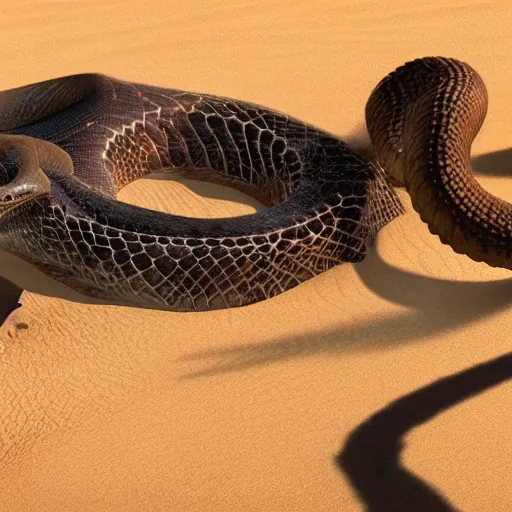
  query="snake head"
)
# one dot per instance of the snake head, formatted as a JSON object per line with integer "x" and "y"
{"x": 21, "y": 178}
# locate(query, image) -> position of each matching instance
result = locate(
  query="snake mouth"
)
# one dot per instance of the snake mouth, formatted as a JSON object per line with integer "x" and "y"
{"x": 9, "y": 201}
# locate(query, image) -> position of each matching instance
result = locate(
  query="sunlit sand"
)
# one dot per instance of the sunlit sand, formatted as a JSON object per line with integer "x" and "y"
{"x": 114, "y": 408}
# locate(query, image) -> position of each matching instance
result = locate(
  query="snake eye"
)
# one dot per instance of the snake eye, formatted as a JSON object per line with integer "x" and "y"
{"x": 10, "y": 163}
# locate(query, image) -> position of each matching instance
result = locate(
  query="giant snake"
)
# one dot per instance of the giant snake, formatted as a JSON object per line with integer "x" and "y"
{"x": 68, "y": 145}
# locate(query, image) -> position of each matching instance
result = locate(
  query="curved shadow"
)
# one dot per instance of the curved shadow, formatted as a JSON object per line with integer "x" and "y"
{"x": 437, "y": 305}
{"x": 216, "y": 190}
{"x": 470, "y": 300}
{"x": 371, "y": 455}
{"x": 497, "y": 163}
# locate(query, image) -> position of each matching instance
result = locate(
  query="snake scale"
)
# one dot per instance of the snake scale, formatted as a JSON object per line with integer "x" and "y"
{"x": 68, "y": 145}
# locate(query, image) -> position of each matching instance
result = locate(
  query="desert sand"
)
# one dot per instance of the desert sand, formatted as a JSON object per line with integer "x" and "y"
{"x": 256, "y": 408}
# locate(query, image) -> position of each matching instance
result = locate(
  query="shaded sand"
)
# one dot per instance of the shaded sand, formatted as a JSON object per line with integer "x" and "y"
{"x": 9, "y": 295}
{"x": 110, "y": 408}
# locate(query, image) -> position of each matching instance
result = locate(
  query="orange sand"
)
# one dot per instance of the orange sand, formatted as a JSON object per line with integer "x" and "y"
{"x": 110, "y": 408}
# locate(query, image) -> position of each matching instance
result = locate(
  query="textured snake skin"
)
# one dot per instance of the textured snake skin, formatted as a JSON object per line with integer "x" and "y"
{"x": 325, "y": 202}
{"x": 422, "y": 119}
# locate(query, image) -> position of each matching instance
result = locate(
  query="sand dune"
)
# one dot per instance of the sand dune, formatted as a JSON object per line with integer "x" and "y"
{"x": 113, "y": 408}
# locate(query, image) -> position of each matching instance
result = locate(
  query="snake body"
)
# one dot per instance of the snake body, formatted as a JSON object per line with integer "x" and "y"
{"x": 68, "y": 145}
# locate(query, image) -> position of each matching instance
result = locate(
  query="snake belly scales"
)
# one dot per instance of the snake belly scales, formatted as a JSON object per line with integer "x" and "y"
{"x": 68, "y": 145}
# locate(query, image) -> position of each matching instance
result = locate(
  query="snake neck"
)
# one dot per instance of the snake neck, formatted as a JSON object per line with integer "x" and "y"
{"x": 69, "y": 90}
{"x": 422, "y": 120}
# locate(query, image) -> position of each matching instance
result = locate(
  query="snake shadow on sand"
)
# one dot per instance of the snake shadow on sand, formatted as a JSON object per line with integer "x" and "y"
{"x": 437, "y": 305}
{"x": 371, "y": 455}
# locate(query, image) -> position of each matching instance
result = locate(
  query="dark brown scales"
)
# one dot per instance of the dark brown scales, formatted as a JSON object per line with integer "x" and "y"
{"x": 422, "y": 120}
{"x": 326, "y": 202}
{"x": 69, "y": 144}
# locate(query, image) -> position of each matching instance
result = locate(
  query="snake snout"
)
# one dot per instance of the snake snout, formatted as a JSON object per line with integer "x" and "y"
{"x": 19, "y": 191}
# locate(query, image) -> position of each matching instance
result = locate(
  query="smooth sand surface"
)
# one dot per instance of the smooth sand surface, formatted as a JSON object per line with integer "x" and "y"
{"x": 254, "y": 409}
